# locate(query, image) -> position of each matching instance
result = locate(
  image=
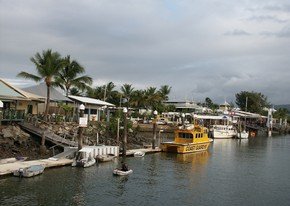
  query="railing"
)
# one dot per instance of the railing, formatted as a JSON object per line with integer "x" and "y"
{"x": 12, "y": 115}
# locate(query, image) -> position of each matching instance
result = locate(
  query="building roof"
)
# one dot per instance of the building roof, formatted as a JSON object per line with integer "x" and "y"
{"x": 89, "y": 100}
{"x": 7, "y": 91}
{"x": 41, "y": 88}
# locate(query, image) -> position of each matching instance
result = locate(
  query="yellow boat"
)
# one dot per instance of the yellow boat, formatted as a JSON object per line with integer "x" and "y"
{"x": 188, "y": 139}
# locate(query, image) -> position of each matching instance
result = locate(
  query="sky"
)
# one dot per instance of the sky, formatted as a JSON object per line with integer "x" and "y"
{"x": 201, "y": 48}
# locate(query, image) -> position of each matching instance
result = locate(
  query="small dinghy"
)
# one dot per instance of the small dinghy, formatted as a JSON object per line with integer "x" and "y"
{"x": 105, "y": 158}
{"x": 29, "y": 171}
{"x": 139, "y": 154}
{"x": 121, "y": 172}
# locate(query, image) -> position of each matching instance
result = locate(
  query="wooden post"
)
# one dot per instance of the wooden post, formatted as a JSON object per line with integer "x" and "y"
{"x": 154, "y": 129}
{"x": 42, "y": 146}
{"x": 125, "y": 135}
{"x": 80, "y": 137}
{"x": 118, "y": 131}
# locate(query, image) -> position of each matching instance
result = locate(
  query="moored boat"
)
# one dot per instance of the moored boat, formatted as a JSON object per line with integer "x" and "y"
{"x": 139, "y": 154}
{"x": 30, "y": 171}
{"x": 121, "y": 172}
{"x": 243, "y": 135}
{"x": 105, "y": 158}
{"x": 223, "y": 131}
{"x": 84, "y": 158}
{"x": 188, "y": 139}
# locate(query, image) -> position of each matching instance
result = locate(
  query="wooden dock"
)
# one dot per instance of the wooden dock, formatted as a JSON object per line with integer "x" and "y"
{"x": 49, "y": 136}
{"x": 145, "y": 150}
{"x": 8, "y": 168}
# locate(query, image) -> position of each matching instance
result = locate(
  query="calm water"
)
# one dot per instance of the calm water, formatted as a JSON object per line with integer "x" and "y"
{"x": 232, "y": 172}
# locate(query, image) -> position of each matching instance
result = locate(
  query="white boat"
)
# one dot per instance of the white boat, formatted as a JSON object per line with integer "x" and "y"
{"x": 139, "y": 154}
{"x": 84, "y": 158}
{"x": 105, "y": 158}
{"x": 223, "y": 131}
{"x": 243, "y": 135}
{"x": 121, "y": 172}
{"x": 29, "y": 171}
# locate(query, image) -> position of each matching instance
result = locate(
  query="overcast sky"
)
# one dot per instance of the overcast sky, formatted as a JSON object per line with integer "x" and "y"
{"x": 202, "y": 48}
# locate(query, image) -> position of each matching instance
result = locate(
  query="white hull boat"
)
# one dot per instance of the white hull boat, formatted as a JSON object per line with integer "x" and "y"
{"x": 29, "y": 171}
{"x": 243, "y": 135}
{"x": 105, "y": 158}
{"x": 223, "y": 131}
{"x": 139, "y": 154}
{"x": 121, "y": 172}
{"x": 84, "y": 158}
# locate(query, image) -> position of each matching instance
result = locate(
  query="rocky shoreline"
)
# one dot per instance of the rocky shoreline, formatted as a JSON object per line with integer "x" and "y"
{"x": 15, "y": 142}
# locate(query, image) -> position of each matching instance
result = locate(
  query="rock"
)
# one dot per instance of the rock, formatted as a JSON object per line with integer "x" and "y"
{"x": 7, "y": 133}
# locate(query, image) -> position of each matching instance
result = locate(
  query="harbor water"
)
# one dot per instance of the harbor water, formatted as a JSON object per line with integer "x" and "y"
{"x": 252, "y": 171}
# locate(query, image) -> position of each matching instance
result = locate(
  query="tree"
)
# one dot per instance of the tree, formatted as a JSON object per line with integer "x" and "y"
{"x": 164, "y": 92}
{"x": 251, "y": 101}
{"x": 127, "y": 92}
{"x": 69, "y": 76}
{"x": 281, "y": 113}
{"x": 48, "y": 64}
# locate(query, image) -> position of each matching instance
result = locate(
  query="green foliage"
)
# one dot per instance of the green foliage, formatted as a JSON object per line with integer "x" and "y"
{"x": 281, "y": 113}
{"x": 209, "y": 104}
{"x": 252, "y": 101}
{"x": 69, "y": 76}
{"x": 48, "y": 65}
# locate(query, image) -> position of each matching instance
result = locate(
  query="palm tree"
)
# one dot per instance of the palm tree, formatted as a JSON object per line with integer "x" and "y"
{"x": 153, "y": 97}
{"x": 69, "y": 76}
{"x": 164, "y": 92}
{"x": 139, "y": 99}
{"x": 48, "y": 65}
{"x": 127, "y": 91}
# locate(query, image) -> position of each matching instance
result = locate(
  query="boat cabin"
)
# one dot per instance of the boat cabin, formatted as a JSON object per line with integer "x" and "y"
{"x": 189, "y": 135}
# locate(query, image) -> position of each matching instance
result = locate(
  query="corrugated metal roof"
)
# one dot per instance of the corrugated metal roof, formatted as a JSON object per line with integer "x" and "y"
{"x": 89, "y": 100}
{"x": 7, "y": 91}
{"x": 40, "y": 89}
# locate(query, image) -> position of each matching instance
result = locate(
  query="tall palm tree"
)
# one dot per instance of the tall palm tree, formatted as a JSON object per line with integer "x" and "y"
{"x": 69, "y": 76}
{"x": 127, "y": 91}
{"x": 153, "y": 97}
{"x": 164, "y": 92}
{"x": 139, "y": 99}
{"x": 47, "y": 65}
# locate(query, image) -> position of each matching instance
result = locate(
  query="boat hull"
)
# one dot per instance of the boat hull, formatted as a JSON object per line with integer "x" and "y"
{"x": 184, "y": 148}
{"x": 105, "y": 158}
{"x": 122, "y": 173}
{"x": 29, "y": 171}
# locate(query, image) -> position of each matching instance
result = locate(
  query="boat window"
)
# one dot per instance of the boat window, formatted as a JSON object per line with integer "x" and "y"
{"x": 185, "y": 135}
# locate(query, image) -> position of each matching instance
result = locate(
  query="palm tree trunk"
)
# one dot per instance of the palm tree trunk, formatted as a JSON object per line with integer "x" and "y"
{"x": 47, "y": 101}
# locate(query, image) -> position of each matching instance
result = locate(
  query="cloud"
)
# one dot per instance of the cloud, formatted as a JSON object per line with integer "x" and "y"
{"x": 283, "y": 33}
{"x": 189, "y": 46}
{"x": 265, "y": 18}
{"x": 237, "y": 32}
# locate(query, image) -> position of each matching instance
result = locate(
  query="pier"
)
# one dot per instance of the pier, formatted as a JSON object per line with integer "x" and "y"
{"x": 10, "y": 167}
{"x": 49, "y": 136}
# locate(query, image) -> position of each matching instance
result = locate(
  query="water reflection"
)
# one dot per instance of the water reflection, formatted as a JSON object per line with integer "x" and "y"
{"x": 231, "y": 172}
